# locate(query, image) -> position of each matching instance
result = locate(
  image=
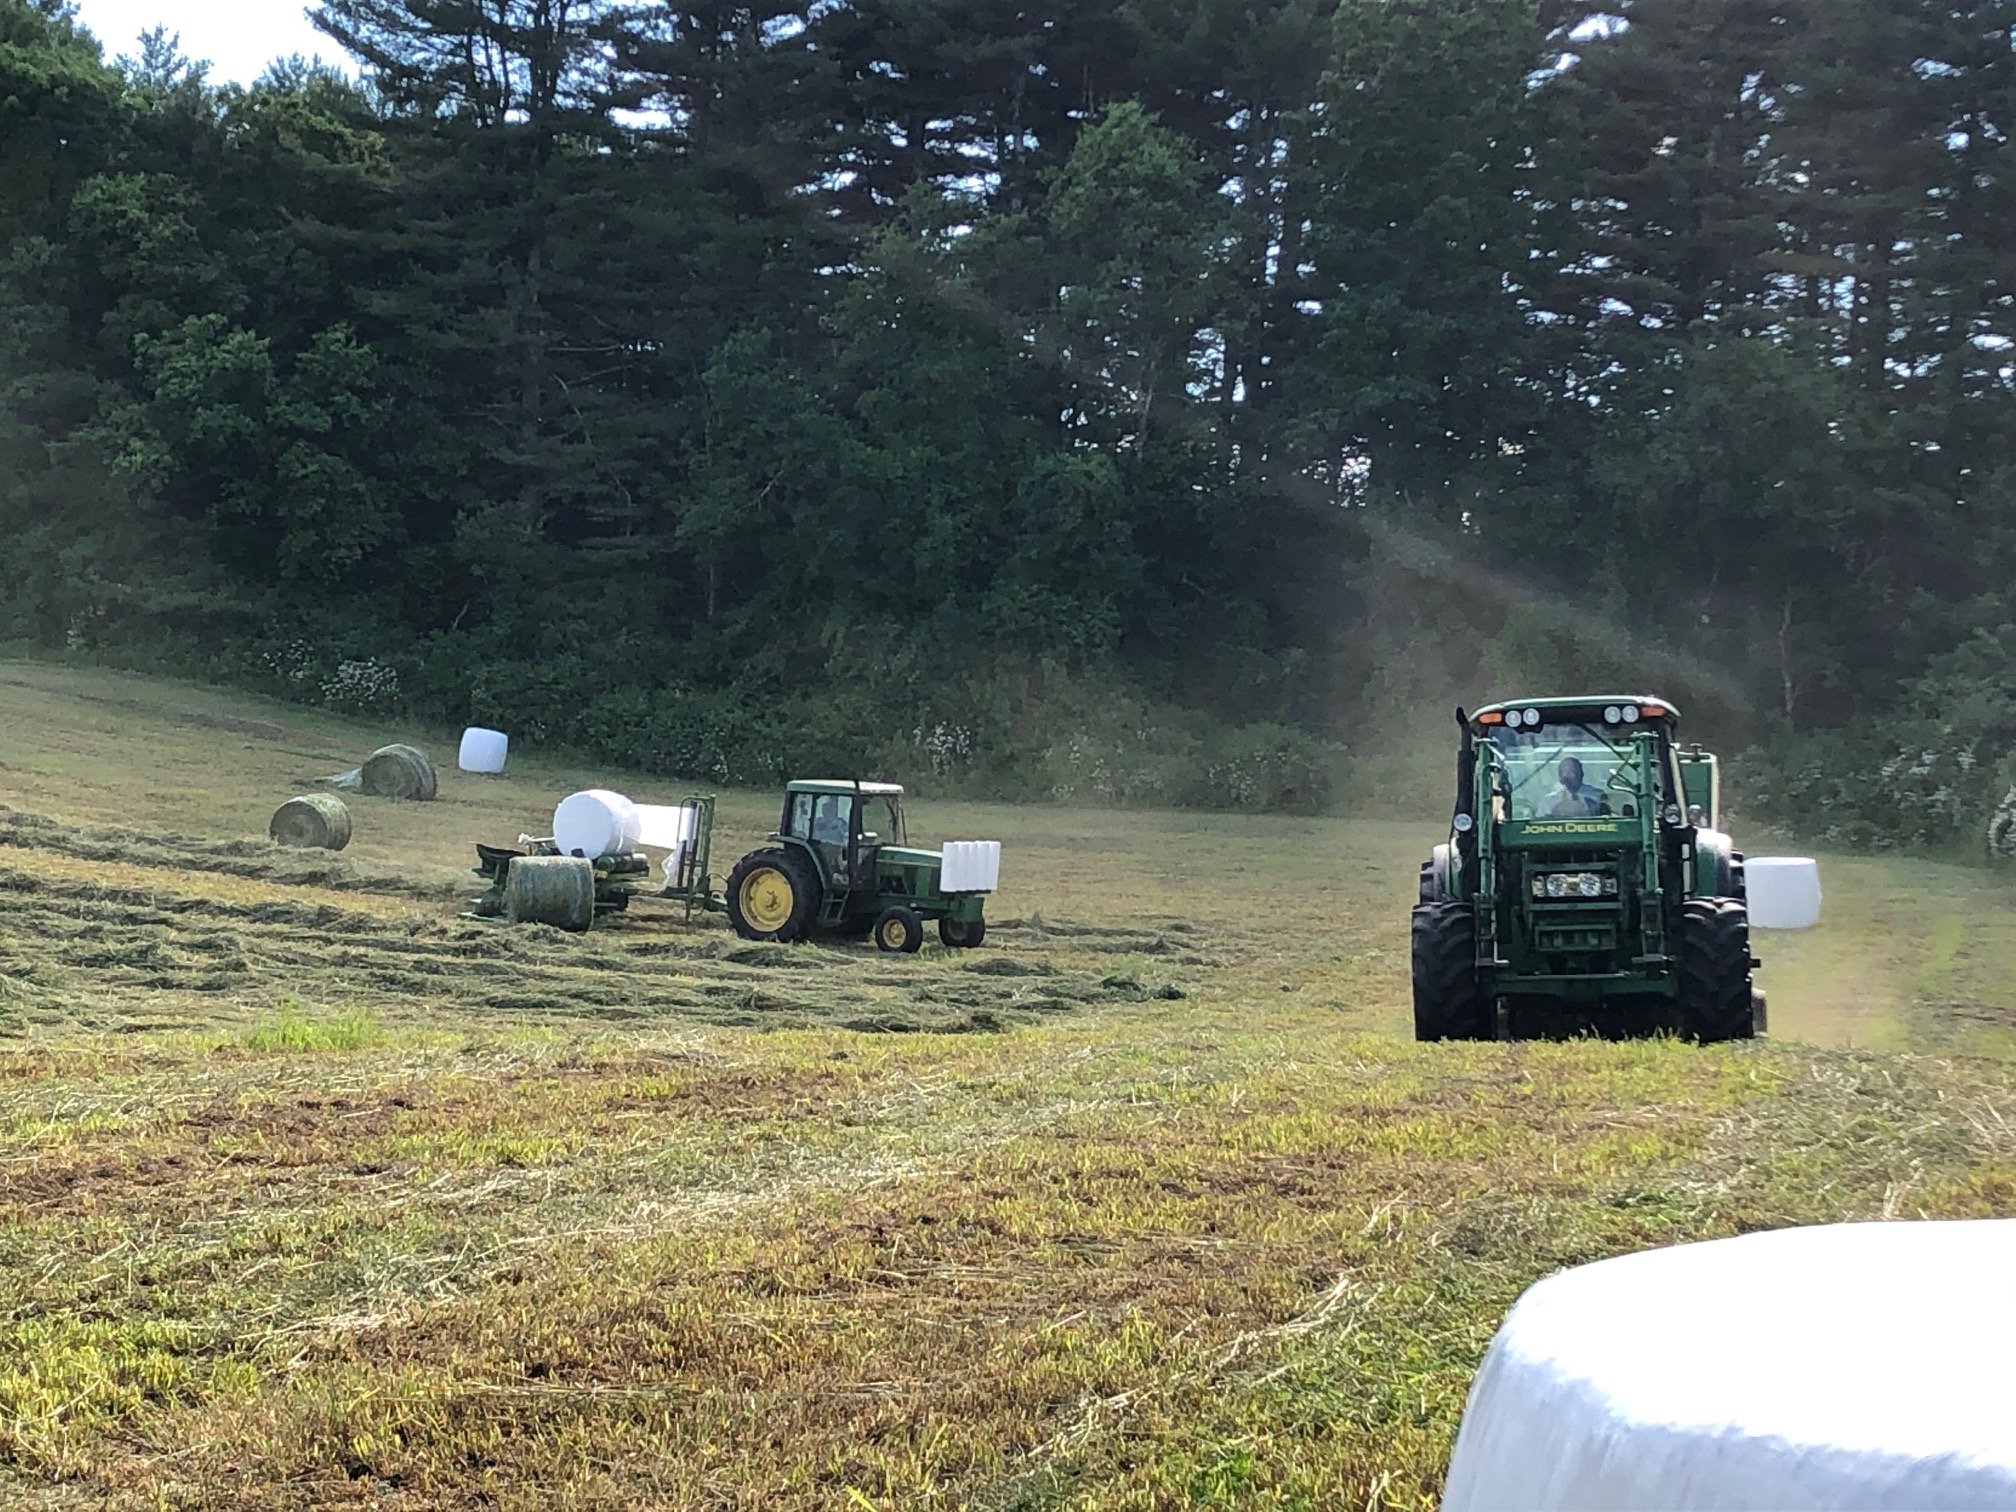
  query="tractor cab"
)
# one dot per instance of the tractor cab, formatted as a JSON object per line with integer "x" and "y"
{"x": 1577, "y": 759}
{"x": 844, "y": 826}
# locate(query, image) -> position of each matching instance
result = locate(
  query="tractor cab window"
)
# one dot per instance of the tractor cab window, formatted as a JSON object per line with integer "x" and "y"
{"x": 831, "y": 813}
{"x": 798, "y": 818}
{"x": 881, "y": 821}
{"x": 1564, "y": 771}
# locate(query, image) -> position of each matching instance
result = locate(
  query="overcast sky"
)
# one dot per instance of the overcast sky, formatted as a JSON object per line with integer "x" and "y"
{"x": 239, "y": 37}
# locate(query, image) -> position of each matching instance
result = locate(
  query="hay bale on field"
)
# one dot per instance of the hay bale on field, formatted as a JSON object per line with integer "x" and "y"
{"x": 399, "y": 771}
{"x": 315, "y": 821}
{"x": 556, "y": 890}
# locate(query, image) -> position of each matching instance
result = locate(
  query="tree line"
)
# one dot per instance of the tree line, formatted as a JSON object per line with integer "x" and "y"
{"x": 1136, "y": 399}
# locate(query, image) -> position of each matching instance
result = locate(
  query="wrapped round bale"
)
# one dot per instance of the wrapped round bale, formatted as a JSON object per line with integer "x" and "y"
{"x": 316, "y": 821}
{"x": 596, "y": 823}
{"x": 399, "y": 771}
{"x": 556, "y": 890}
{"x": 1850, "y": 1365}
{"x": 483, "y": 750}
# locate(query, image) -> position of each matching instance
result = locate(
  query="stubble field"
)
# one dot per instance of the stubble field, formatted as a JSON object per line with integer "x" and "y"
{"x": 313, "y": 1192}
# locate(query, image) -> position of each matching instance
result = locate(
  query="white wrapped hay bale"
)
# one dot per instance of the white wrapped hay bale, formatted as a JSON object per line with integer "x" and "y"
{"x": 1783, "y": 891}
{"x": 483, "y": 750}
{"x": 596, "y": 823}
{"x": 969, "y": 866}
{"x": 1846, "y": 1366}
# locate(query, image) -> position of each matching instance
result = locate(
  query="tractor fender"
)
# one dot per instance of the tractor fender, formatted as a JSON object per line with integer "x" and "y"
{"x": 1438, "y": 875}
{"x": 1718, "y": 866}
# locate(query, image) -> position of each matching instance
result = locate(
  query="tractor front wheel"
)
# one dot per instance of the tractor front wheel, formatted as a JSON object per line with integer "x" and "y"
{"x": 961, "y": 936}
{"x": 899, "y": 930}
{"x": 1449, "y": 1002}
{"x": 773, "y": 895}
{"x": 1717, "y": 1002}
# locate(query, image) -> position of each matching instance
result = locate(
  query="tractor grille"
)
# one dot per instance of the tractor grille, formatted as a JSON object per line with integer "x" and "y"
{"x": 1553, "y": 938}
{"x": 1578, "y": 926}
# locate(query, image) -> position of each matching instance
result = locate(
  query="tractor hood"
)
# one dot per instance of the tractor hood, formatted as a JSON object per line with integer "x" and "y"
{"x": 1568, "y": 834}
{"x": 906, "y": 855}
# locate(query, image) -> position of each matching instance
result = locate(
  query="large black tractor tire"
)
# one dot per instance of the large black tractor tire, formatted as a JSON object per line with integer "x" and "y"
{"x": 960, "y": 934}
{"x": 1449, "y": 1003}
{"x": 773, "y": 894}
{"x": 1717, "y": 1001}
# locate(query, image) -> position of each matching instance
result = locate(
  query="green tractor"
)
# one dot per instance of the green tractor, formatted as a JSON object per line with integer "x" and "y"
{"x": 838, "y": 862}
{"x": 1585, "y": 886}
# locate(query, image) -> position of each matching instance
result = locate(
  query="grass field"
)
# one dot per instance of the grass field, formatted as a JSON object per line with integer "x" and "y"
{"x": 314, "y": 1193}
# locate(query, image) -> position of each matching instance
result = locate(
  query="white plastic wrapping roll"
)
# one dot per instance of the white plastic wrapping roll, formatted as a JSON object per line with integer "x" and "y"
{"x": 483, "y": 750}
{"x": 1784, "y": 891}
{"x": 970, "y": 866}
{"x": 596, "y": 823}
{"x": 1857, "y": 1365}
{"x": 666, "y": 827}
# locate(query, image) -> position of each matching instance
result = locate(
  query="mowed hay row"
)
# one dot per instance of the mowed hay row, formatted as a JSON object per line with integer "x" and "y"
{"x": 253, "y": 859}
{"x": 84, "y": 944}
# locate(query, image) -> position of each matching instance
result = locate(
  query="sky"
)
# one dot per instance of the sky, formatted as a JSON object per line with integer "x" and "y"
{"x": 238, "y": 37}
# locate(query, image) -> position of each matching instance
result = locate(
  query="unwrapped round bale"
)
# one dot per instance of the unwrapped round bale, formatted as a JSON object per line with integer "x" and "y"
{"x": 399, "y": 771}
{"x": 316, "y": 821}
{"x": 556, "y": 890}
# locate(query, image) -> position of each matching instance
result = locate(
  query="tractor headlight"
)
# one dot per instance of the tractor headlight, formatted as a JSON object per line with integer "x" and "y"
{"x": 1573, "y": 885}
{"x": 1613, "y": 715}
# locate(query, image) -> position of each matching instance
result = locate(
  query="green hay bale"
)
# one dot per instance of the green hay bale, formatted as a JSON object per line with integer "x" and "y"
{"x": 556, "y": 890}
{"x": 316, "y": 821}
{"x": 399, "y": 771}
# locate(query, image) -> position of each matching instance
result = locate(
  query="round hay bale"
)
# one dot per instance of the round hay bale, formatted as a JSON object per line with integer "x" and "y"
{"x": 556, "y": 890}
{"x": 399, "y": 771}
{"x": 318, "y": 821}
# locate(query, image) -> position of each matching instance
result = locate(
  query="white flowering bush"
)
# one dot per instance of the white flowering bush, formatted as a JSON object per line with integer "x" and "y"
{"x": 1927, "y": 786}
{"x": 945, "y": 747}
{"x": 2002, "y": 828}
{"x": 366, "y": 686}
{"x": 294, "y": 665}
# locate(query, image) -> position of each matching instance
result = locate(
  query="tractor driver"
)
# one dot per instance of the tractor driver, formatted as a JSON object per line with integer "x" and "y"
{"x": 829, "y": 820}
{"x": 1574, "y": 799}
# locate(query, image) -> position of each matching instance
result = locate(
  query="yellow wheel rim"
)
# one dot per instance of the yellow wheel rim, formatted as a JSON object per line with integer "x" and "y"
{"x": 767, "y": 898}
{"x": 892, "y": 932}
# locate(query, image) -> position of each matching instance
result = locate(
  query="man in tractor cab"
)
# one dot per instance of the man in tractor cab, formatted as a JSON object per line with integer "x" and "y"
{"x": 1574, "y": 799}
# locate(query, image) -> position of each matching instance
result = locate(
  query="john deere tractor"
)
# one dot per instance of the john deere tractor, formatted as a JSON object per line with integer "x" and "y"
{"x": 1585, "y": 886}
{"x": 838, "y": 862}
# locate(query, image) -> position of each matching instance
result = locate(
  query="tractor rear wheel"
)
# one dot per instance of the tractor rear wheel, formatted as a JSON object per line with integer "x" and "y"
{"x": 773, "y": 895}
{"x": 1449, "y": 1002}
{"x": 1717, "y": 1002}
{"x": 900, "y": 930}
{"x": 961, "y": 935}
